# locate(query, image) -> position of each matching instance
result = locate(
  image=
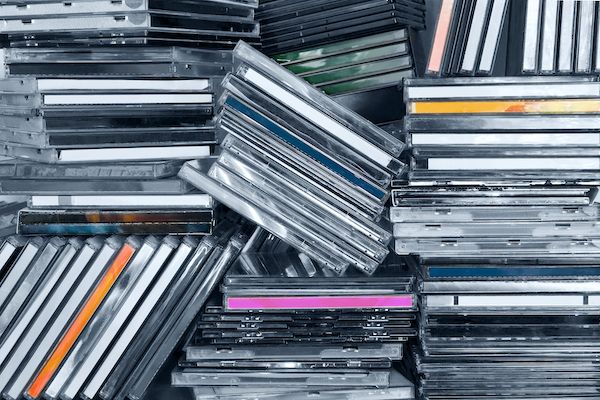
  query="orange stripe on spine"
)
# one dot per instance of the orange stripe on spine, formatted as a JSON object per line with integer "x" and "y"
{"x": 511, "y": 106}
{"x": 86, "y": 313}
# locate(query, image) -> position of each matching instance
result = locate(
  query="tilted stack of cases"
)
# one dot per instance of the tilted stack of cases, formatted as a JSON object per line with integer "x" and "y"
{"x": 500, "y": 209}
{"x": 284, "y": 327}
{"x": 356, "y": 51}
{"x": 98, "y": 129}
{"x": 300, "y": 165}
{"x": 99, "y": 317}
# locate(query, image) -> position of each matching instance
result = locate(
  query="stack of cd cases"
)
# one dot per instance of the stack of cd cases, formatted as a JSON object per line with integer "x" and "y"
{"x": 502, "y": 337}
{"x": 300, "y": 165}
{"x": 288, "y": 25}
{"x": 99, "y": 316}
{"x": 530, "y": 37}
{"x": 285, "y": 327}
{"x": 206, "y": 23}
{"x": 363, "y": 74}
{"x": 505, "y": 130}
{"x": 499, "y": 216}
{"x": 97, "y": 136}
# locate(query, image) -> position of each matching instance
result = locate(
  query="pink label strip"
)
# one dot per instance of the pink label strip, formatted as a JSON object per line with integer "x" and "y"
{"x": 440, "y": 37}
{"x": 318, "y": 302}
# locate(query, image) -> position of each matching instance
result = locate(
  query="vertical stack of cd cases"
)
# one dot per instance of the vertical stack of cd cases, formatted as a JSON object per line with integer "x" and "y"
{"x": 500, "y": 209}
{"x": 300, "y": 165}
{"x": 358, "y": 52}
{"x": 98, "y": 317}
{"x": 286, "y": 328}
{"x": 500, "y": 165}
{"x": 97, "y": 129}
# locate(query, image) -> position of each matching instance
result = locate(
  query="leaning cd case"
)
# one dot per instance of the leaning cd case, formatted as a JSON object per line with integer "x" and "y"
{"x": 81, "y": 310}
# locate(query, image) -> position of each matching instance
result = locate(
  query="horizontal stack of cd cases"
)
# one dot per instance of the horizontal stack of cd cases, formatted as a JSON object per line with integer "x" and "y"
{"x": 97, "y": 136}
{"x": 51, "y": 23}
{"x": 502, "y": 337}
{"x": 98, "y": 316}
{"x": 285, "y": 327}
{"x": 288, "y": 25}
{"x": 535, "y": 129}
{"x": 298, "y": 164}
{"x": 500, "y": 165}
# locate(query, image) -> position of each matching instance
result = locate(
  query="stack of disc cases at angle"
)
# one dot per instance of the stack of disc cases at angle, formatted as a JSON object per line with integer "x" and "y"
{"x": 97, "y": 136}
{"x": 84, "y": 23}
{"x": 289, "y": 25}
{"x": 284, "y": 319}
{"x": 99, "y": 316}
{"x": 560, "y": 37}
{"x": 468, "y": 37}
{"x": 363, "y": 74}
{"x": 300, "y": 165}
{"x": 501, "y": 336}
